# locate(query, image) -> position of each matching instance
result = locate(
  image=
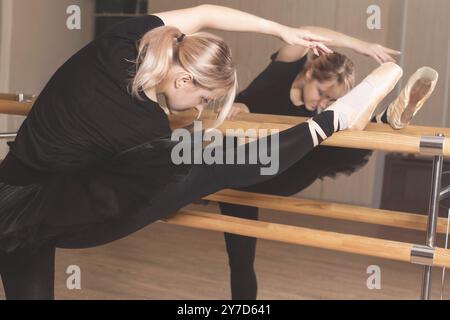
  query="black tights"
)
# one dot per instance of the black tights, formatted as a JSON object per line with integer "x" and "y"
{"x": 29, "y": 274}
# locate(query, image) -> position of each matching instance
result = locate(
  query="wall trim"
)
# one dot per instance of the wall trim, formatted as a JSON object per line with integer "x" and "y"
{"x": 5, "y": 43}
{"x": 447, "y": 86}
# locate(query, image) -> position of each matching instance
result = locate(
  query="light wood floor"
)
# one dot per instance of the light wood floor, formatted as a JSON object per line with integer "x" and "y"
{"x": 170, "y": 262}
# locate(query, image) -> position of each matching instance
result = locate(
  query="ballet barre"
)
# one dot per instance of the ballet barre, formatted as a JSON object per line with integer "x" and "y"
{"x": 16, "y": 104}
{"x": 413, "y": 140}
{"x": 373, "y": 247}
{"x": 381, "y": 137}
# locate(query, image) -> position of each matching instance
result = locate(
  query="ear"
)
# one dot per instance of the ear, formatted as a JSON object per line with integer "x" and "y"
{"x": 308, "y": 74}
{"x": 183, "y": 79}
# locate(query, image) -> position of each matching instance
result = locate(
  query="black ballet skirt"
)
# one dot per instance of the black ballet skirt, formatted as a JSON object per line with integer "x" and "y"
{"x": 55, "y": 206}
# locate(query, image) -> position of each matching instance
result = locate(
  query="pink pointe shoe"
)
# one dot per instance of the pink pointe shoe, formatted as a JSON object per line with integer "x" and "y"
{"x": 412, "y": 98}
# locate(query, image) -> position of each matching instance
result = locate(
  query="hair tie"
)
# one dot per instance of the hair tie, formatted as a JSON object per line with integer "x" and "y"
{"x": 181, "y": 37}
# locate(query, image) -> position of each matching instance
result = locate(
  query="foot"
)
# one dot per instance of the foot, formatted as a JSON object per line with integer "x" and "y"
{"x": 412, "y": 98}
{"x": 355, "y": 109}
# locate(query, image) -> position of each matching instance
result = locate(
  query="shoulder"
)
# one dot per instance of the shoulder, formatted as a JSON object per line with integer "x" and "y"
{"x": 278, "y": 59}
{"x": 135, "y": 27}
{"x": 291, "y": 68}
{"x": 291, "y": 54}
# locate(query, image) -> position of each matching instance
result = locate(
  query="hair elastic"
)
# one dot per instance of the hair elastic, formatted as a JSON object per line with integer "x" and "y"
{"x": 181, "y": 37}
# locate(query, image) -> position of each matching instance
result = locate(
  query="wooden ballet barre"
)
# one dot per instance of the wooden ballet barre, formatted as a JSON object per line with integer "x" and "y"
{"x": 10, "y": 106}
{"x": 19, "y": 97}
{"x": 15, "y": 108}
{"x": 327, "y": 210}
{"x": 373, "y": 247}
{"x": 16, "y": 104}
{"x": 376, "y": 136}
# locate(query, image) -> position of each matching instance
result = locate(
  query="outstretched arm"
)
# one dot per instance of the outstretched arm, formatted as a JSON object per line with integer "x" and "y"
{"x": 194, "y": 19}
{"x": 381, "y": 54}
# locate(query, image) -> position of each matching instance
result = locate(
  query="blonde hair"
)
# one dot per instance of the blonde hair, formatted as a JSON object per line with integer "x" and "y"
{"x": 207, "y": 57}
{"x": 334, "y": 66}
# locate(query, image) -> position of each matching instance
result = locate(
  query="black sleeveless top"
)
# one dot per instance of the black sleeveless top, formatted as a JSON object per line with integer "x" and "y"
{"x": 269, "y": 92}
{"x": 85, "y": 114}
{"x": 88, "y": 152}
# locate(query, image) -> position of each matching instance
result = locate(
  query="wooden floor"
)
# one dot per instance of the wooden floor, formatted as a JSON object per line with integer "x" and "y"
{"x": 170, "y": 262}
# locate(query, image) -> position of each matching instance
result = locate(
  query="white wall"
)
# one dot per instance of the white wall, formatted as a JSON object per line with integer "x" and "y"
{"x": 5, "y": 42}
{"x": 40, "y": 43}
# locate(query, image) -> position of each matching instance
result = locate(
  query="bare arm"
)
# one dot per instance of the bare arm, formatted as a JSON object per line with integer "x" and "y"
{"x": 289, "y": 53}
{"x": 194, "y": 19}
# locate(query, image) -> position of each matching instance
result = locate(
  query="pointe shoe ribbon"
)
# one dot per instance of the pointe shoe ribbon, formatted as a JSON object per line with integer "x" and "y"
{"x": 412, "y": 98}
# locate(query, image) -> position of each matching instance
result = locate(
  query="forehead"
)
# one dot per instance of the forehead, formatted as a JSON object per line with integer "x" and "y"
{"x": 332, "y": 88}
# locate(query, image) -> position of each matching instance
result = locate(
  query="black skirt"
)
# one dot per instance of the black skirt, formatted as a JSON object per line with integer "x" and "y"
{"x": 37, "y": 207}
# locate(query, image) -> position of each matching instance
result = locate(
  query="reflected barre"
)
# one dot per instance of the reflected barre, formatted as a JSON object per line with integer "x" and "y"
{"x": 330, "y": 210}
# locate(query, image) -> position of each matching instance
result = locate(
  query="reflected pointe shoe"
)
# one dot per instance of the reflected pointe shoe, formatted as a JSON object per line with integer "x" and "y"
{"x": 412, "y": 98}
{"x": 354, "y": 110}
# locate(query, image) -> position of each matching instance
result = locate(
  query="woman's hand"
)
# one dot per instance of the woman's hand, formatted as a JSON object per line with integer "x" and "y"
{"x": 305, "y": 38}
{"x": 236, "y": 109}
{"x": 378, "y": 52}
{"x": 208, "y": 16}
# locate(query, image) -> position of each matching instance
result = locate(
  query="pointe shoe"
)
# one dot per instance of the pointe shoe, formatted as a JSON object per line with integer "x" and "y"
{"x": 412, "y": 98}
{"x": 355, "y": 109}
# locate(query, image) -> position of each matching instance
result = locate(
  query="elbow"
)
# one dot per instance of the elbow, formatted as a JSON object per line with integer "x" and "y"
{"x": 308, "y": 28}
{"x": 205, "y": 5}
{"x": 203, "y": 14}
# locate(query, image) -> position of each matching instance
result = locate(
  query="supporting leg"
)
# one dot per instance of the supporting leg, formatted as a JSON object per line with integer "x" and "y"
{"x": 28, "y": 274}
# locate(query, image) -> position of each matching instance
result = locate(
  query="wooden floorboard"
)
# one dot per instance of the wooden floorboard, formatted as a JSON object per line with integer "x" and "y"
{"x": 170, "y": 262}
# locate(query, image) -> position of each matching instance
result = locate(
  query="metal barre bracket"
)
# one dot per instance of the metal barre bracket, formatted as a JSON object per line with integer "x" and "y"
{"x": 432, "y": 145}
{"x": 7, "y": 135}
{"x": 422, "y": 255}
{"x": 21, "y": 97}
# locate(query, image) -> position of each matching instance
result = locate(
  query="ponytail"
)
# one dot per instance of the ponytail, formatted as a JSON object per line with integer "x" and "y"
{"x": 156, "y": 52}
{"x": 206, "y": 56}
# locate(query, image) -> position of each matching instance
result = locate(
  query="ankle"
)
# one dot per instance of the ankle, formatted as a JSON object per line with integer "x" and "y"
{"x": 323, "y": 126}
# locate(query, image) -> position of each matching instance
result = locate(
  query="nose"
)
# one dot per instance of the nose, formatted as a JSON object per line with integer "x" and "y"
{"x": 322, "y": 105}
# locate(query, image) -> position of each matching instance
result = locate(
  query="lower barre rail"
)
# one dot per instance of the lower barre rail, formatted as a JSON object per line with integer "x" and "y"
{"x": 373, "y": 247}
